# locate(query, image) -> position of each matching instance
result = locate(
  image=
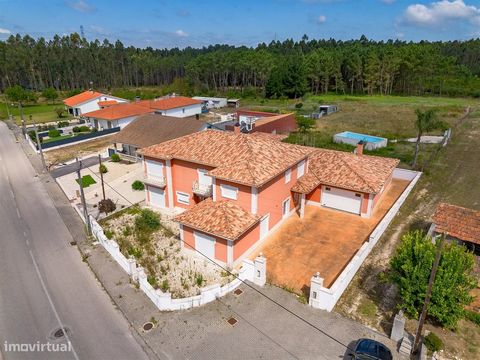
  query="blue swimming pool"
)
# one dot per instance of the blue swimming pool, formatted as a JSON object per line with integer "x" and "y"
{"x": 352, "y": 138}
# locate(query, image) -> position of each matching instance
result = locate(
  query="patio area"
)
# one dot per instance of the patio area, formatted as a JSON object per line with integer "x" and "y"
{"x": 324, "y": 240}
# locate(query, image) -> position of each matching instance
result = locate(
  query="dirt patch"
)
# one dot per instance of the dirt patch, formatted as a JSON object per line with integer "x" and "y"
{"x": 67, "y": 153}
{"x": 167, "y": 265}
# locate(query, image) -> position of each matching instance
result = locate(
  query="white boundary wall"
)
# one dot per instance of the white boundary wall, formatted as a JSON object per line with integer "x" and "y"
{"x": 254, "y": 271}
{"x": 326, "y": 298}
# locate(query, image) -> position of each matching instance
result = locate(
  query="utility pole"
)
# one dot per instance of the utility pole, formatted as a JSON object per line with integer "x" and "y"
{"x": 423, "y": 315}
{"x": 82, "y": 194}
{"x": 24, "y": 128}
{"x": 101, "y": 174}
{"x": 39, "y": 145}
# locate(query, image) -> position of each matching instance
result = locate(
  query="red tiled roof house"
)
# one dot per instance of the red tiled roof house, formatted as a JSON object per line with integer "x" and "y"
{"x": 88, "y": 101}
{"x": 458, "y": 224}
{"x": 236, "y": 188}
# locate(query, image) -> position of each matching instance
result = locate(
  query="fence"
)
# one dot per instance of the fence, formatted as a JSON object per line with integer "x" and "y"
{"x": 78, "y": 138}
{"x": 254, "y": 271}
{"x": 326, "y": 298}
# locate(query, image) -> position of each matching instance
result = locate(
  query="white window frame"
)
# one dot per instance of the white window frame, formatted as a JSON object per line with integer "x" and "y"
{"x": 224, "y": 191}
{"x": 288, "y": 176}
{"x": 283, "y": 205}
{"x": 179, "y": 200}
{"x": 301, "y": 165}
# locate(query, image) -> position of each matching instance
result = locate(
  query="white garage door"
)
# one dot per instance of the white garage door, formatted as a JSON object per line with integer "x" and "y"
{"x": 340, "y": 199}
{"x": 205, "y": 244}
{"x": 157, "y": 196}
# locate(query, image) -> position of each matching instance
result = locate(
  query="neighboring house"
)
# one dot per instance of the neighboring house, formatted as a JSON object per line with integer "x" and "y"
{"x": 212, "y": 102}
{"x": 119, "y": 115}
{"x": 459, "y": 224}
{"x": 176, "y": 106}
{"x": 236, "y": 188}
{"x": 88, "y": 101}
{"x": 151, "y": 129}
{"x": 257, "y": 121}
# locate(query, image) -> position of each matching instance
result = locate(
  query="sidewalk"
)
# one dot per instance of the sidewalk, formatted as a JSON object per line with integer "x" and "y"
{"x": 264, "y": 329}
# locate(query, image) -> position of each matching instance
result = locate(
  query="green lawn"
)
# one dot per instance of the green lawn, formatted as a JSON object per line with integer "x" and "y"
{"x": 46, "y": 141}
{"x": 87, "y": 180}
{"x": 41, "y": 113}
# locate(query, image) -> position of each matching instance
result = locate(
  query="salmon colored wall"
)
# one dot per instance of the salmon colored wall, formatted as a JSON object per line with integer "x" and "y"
{"x": 280, "y": 126}
{"x": 379, "y": 195}
{"x": 164, "y": 174}
{"x": 315, "y": 195}
{"x": 244, "y": 194}
{"x": 246, "y": 241}
{"x": 220, "y": 244}
{"x": 364, "y": 207}
{"x": 184, "y": 173}
{"x": 272, "y": 194}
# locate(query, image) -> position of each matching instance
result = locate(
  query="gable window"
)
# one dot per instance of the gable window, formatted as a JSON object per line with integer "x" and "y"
{"x": 327, "y": 188}
{"x": 229, "y": 192}
{"x": 288, "y": 176}
{"x": 301, "y": 168}
{"x": 183, "y": 110}
{"x": 183, "y": 198}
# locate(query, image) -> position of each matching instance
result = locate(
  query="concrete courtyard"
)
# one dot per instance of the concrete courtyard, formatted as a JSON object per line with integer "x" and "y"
{"x": 324, "y": 240}
{"x": 118, "y": 185}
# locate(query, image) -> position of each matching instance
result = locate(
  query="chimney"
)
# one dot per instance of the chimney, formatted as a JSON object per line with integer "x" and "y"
{"x": 359, "y": 151}
{"x": 236, "y": 129}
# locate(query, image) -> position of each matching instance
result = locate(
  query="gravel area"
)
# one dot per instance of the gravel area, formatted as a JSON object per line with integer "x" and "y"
{"x": 167, "y": 265}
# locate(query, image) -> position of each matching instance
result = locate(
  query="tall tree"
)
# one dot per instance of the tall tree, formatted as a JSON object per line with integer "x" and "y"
{"x": 426, "y": 121}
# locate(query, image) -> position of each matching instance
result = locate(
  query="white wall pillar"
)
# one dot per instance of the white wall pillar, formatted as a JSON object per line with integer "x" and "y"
{"x": 260, "y": 266}
{"x": 182, "y": 243}
{"x": 229, "y": 252}
{"x": 254, "y": 200}
{"x": 132, "y": 265}
{"x": 316, "y": 283}
{"x": 168, "y": 169}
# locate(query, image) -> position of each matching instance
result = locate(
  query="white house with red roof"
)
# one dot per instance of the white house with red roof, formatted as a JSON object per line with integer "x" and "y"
{"x": 235, "y": 188}
{"x": 175, "y": 106}
{"x": 88, "y": 101}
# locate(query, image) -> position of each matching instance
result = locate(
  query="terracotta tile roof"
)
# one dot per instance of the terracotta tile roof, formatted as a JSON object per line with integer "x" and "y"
{"x": 242, "y": 158}
{"x": 459, "y": 222}
{"x": 169, "y": 103}
{"x": 118, "y": 111}
{"x": 150, "y": 129}
{"x": 278, "y": 137}
{"x": 107, "y": 102}
{"x": 81, "y": 98}
{"x": 346, "y": 170}
{"x": 221, "y": 218}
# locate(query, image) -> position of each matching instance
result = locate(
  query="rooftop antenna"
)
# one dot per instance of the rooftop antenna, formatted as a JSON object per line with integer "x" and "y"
{"x": 82, "y": 33}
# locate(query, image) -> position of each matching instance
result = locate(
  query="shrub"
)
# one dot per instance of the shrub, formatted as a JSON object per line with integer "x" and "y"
{"x": 135, "y": 252}
{"x": 147, "y": 220}
{"x": 84, "y": 128}
{"x": 76, "y": 129}
{"x": 152, "y": 280}
{"x": 103, "y": 169}
{"x": 433, "y": 342}
{"x": 59, "y": 111}
{"x": 199, "y": 279}
{"x": 115, "y": 157}
{"x": 53, "y": 133}
{"x": 106, "y": 206}
{"x": 62, "y": 124}
{"x": 109, "y": 234}
{"x": 127, "y": 231}
{"x": 298, "y": 105}
{"x": 165, "y": 285}
{"x": 138, "y": 185}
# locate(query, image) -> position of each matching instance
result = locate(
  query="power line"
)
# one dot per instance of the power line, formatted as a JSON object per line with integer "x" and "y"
{"x": 274, "y": 301}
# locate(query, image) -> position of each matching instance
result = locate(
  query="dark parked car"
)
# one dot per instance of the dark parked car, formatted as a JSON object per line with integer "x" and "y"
{"x": 367, "y": 349}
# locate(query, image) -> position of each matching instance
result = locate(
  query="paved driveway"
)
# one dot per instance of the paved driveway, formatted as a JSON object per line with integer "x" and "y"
{"x": 325, "y": 241}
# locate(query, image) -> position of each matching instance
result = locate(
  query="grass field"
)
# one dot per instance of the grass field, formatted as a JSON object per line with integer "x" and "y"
{"x": 41, "y": 113}
{"x": 87, "y": 180}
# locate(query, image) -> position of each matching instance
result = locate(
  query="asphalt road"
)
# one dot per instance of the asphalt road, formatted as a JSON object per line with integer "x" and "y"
{"x": 70, "y": 168}
{"x": 44, "y": 285}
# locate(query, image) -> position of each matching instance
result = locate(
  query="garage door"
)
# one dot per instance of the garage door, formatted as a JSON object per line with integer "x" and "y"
{"x": 205, "y": 244}
{"x": 157, "y": 197}
{"x": 341, "y": 199}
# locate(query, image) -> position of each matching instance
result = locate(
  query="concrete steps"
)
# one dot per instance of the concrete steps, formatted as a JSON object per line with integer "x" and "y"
{"x": 406, "y": 345}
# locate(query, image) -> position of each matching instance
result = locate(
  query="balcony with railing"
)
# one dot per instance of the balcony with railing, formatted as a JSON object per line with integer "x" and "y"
{"x": 201, "y": 189}
{"x": 158, "y": 181}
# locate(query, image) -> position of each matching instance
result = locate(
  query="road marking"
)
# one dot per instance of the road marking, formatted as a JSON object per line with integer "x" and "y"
{"x": 51, "y": 303}
{"x": 18, "y": 213}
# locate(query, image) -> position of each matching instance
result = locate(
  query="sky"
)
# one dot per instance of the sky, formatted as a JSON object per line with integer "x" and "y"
{"x": 170, "y": 23}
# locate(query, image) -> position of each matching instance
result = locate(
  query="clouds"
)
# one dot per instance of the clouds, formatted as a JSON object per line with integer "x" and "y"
{"x": 81, "y": 6}
{"x": 441, "y": 13}
{"x": 5, "y": 31}
{"x": 181, "y": 33}
{"x": 321, "y": 19}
